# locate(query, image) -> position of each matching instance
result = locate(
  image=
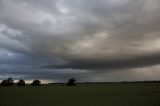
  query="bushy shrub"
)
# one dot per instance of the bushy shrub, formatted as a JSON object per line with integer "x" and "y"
{"x": 7, "y": 82}
{"x": 36, "y": 83}
{"x": 21, "y": 83}
{"x": 71, "y": 82}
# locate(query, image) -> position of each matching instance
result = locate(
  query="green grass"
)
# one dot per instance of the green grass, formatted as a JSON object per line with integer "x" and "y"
{"x": 128, "y": 94}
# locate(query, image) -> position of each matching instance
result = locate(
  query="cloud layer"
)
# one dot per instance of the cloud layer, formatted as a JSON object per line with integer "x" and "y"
{"x": 78, "y": 38}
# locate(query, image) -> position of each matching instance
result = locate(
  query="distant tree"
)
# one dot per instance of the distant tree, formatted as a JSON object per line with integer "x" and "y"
{"x": 7, "y": 82}
{"x": 21, "y": 82}
{"x": 36, "y": 83}
{"x": 4, "y": 83}
{"x": 71, "y": 82}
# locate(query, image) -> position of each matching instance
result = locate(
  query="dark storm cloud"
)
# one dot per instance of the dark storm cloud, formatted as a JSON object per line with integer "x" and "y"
{"x": 78, "y": 34}
{"x": 124, "y": 63}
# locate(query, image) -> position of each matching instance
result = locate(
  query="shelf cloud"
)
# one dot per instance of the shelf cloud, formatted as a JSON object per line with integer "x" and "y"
{"x": 55, "y": 40}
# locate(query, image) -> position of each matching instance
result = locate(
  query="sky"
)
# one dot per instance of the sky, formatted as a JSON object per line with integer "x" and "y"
{"x": 90, "y": 40}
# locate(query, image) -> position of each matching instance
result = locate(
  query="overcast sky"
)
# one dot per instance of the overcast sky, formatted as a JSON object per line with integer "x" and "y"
{"x": 91, "y": 40}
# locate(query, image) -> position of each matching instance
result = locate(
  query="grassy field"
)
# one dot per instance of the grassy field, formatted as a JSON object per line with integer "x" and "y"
{"x": 122, "y": 94}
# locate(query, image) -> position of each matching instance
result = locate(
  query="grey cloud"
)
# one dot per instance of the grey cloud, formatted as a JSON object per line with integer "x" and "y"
{"x": 113, "y": 64}
{"x": 79, "y": 34}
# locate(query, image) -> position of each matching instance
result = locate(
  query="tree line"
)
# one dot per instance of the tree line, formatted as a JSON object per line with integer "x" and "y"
{"x": 36, "y": 82}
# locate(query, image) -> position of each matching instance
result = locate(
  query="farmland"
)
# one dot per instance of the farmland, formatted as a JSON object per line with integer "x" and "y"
{"x": 116, "y": 94}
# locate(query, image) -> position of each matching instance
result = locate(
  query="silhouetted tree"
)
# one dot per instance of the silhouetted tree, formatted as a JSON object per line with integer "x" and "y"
{"x": 4, "y": 83}
{"x": 71, "y": 82}
{"x": 21, "y": 83}
{"x": 7, "y": 82}
{"x": 36, "y": 83}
